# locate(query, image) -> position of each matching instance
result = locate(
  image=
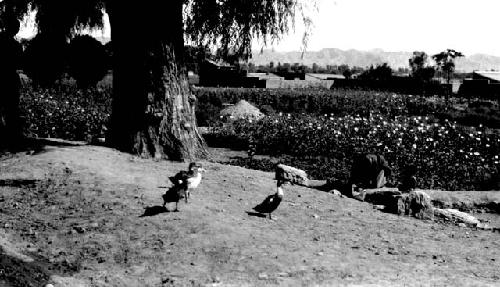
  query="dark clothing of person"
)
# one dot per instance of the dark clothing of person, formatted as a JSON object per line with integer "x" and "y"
{"x": 370, "y": 171}
{"x": 10, "y": 55}
{"x": 409, "y": 183}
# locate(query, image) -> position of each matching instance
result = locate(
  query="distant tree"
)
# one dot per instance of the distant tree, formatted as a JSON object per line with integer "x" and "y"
{"x": 315, "y": 68}
{"x": 381, "y": 72}
{"x": 347, "y": 74}
{"x": 286, "y": 67}
{"x": 446, "y": 62}
{"x": 419, "y": 68}
{"x": 272, "y": 67}
{"x": 330, "y": 69}
{"x": 262, "y": 69}
{"x": 357, "y": 70}
{"x": 343, "y": 69}
{"x": 417, "y": 61}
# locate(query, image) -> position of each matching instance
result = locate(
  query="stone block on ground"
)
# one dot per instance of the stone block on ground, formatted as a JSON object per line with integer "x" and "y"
{"x": 456, "y": 216}
{"x": 292, "y": 175}
{"x": 335, "y": 192}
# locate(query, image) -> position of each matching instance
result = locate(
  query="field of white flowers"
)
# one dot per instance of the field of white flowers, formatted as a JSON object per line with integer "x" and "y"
{"x": 317, "y": 130}
{"x": 447, "y": 155}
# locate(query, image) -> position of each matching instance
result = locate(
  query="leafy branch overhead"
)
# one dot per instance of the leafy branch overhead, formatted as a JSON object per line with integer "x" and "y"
{"x": 229, "y": 24}
{"x": 58, "y": 16}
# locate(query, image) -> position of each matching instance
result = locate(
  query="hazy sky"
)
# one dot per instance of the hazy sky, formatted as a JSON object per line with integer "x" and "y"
{"x": 404, "y": 25}
{"x": 469, "y": 26}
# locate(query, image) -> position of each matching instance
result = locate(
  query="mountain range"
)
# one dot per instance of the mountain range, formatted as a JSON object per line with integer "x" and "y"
{"x": 352, "y": 57}
{"x": 334, "y": 56}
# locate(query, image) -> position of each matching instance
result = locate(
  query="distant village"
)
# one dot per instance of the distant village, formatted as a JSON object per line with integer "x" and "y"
{"x": 217, "y": 73}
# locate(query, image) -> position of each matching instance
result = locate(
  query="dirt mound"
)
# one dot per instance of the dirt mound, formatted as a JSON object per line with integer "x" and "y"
{"x": 77, "y": 210}
{"x": 242, "y": 110}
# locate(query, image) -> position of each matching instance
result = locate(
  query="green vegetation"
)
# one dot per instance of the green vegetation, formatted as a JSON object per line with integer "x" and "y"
{"x": 315, "y": 130}
{"x": 447, "y": 156}
{"x": 450, "y": 142}
{"x": 343, "y": 102}
{"x": 446, "y": 61}
{"x": 420, "y": 69}
{"x": 66, "y": 112}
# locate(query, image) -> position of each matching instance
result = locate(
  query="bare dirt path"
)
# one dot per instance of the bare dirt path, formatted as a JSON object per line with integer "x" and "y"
{"x": 70, "y": 216}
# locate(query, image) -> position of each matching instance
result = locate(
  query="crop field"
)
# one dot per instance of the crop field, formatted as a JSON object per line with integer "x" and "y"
{"x": 450, "y": 142}
{"x": 447, "y": 156}
{"x": 454, "y": 144}
{"x": 344, "y": 102}
{"x": 65, "y": 112}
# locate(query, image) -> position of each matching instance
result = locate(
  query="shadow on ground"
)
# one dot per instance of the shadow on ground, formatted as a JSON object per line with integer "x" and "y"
{"x": 28, "y": 183}
{"x": 16, "y": 272}
{"x": 256, "y": 214}
{"x": 154, "y": 210}
{"x": 38, "y": 146}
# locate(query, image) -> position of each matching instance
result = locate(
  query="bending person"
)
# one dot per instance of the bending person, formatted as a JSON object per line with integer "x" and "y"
{"x": 370, "y": 171}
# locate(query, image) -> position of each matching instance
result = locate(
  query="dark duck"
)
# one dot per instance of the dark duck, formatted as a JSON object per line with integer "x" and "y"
{"x": 174, "y": 194}
{"x": 272, "y": 201}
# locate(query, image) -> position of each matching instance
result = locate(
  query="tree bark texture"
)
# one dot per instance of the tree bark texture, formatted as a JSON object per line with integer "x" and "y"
{"x": 153, "y": 108}
{"x": 10, "y": 124}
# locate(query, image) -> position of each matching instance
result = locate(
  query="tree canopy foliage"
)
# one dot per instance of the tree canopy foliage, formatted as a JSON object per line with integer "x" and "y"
{"x": 380, "y": 72}
{"x": 418, "y": 60}
{"x": 446, "y": 61}
{"x": 229, "y": 24}
{"x": 419, "y": 67}
{"x": 59, "y": 17}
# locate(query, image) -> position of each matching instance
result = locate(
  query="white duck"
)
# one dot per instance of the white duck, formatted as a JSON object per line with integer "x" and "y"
{"x": 192, "y": 177}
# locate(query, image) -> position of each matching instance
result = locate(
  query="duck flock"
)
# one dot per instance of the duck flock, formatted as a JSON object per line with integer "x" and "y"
{"x": 185, "y": 181}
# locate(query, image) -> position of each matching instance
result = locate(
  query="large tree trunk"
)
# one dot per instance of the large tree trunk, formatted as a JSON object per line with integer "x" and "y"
{"x": 10, "y": 124}
{"x": 153, "y": 108}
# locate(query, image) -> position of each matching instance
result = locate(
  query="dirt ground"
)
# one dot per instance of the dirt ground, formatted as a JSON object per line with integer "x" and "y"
{"x": 70, "y": 215}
